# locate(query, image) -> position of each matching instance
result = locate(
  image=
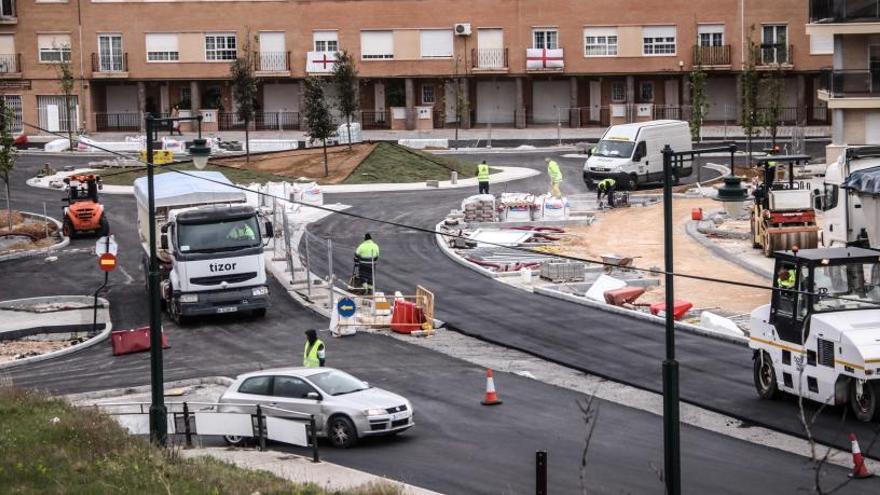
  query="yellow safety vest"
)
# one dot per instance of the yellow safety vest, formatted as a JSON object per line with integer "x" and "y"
{"x": 483, "y": 172}
{"x": 367, "y": 250}
{"x": 243, "y": 232}
{"x": 787, "y": 282}
{"x": 553, "y": 170}
{"x": 310, "y": 355}
{"x": 606, "y": 183}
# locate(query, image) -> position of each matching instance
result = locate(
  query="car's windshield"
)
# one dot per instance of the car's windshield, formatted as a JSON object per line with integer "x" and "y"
{"x": 850, "y": 286}
{"x": 614, "y": 148}
{"x": 220, "y": 236}
{"x": 337, "y": 382}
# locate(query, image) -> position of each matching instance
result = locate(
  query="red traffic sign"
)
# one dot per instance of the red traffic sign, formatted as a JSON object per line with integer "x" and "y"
{"x": 107, "y": 262}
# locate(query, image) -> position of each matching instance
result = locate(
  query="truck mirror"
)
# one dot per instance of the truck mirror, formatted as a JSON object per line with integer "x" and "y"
{"x": 270, "y": 229}
{"x": 163, "y": 241}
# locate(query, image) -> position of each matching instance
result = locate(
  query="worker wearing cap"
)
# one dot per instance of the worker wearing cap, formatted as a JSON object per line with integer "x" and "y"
{"x": 483, "y": 177}
{"x": 242, "y": 231}
{"x": 785, "y": 278}
{"x": 555, "y": 177}
{"x": 365, "y": 257}
{"x": 314, "y": 351}
{"x": 606, "y": 186}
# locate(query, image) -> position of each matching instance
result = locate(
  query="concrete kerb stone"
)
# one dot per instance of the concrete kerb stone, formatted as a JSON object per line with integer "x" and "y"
{"x": 100, "y": 337}
{"x": 63, "y": 243}
{"x": 142, "y": 389}
{"x": 695, "y": 234}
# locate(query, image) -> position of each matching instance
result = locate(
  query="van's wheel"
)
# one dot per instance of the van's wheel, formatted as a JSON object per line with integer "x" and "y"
{"x": 67, "y": 228}
{"x": 342, "y": 432}
{"x": 105, "y": 226}
{"x": 765, "y": 376}
{"x": 631, "y": 183}
{"x": 865, "y": 403}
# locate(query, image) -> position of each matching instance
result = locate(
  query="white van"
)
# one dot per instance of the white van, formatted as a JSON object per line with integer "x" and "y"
{"x": 633, "y": 153}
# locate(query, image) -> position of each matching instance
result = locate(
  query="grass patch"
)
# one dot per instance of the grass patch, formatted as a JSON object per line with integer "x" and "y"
{"x": 125, "y": 176}
{"x": 87, "y": 453}
{"x": 392, "y": 163}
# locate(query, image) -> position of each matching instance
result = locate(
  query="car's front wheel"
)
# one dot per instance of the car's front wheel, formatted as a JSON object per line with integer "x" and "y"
{"x": 234, "y": 440}
{"x": 342, "y": 432}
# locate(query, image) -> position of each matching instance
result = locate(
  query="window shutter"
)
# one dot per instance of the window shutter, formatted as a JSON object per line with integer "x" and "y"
{"x": 162, "y": 42}
{"x": 53, "y": 41}
{"x": 658, "y": 31}
{"x": 377, "y": 43}
{"x": 436, "y": 42}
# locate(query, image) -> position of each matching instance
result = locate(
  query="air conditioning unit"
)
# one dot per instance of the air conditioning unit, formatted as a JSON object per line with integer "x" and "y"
{"x": 463, "y": 29}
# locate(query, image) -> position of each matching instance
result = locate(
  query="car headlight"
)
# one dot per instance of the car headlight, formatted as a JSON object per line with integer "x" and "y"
{"x": 189, "y": 298}
{"x": 261, "y": 291}
{"x": 375, "y": 412}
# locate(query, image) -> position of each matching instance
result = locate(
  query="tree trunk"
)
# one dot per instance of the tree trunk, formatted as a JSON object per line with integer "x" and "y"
{"x": 749, "y": 150}
{"x": 326, "y": 168}
{"x": 69, "y": 130}
{"x": 247, "y": 141}
{"x": 8, "y": 206}
{"x": 348, "y": 126}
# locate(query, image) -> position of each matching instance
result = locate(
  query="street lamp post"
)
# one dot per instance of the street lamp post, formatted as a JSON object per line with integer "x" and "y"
{"x": 199, "y": 152}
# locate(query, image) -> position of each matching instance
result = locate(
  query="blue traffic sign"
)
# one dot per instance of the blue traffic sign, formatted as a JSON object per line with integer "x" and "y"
{"x": 346, "y": 307}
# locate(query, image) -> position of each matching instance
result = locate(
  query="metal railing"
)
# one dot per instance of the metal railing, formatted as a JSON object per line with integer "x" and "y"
{"x": 263, "y": 121}
{"x": 711, "y": 55}
{"x": 10, "y": 63}
{"x": 373, "y": 119}
{"x": 773, "y": 54}
{"x": 857, "y": 82}
{"x": 489, "y": 58}
{"x": 844, "y": 10}
{"x": 104, "y": 62}
{"x": 272, "y": 61}
{"x": 122, "y": 121}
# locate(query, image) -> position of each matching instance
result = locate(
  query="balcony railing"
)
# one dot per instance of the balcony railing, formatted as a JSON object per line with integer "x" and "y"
{"x": 853, "y": 83}
{"x": 773, "y": 54}
{"x": 712, "y": 55}
{"x": 489, "y": 58}
{"x": 830, "y": 11}
{"x": 104, "y": 62}
{"x": 10, "y": 63}
{"x": 271, "y": 61}
{"x": 544, "y": 59}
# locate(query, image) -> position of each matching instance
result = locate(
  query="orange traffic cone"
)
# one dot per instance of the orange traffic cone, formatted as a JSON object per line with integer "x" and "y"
{"x": 491, "y": 397}
{"x": 859, "y": 470}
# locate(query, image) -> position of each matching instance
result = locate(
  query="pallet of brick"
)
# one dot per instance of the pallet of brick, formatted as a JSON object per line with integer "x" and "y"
{"x": 479, "y": 208}
{"x": 563, "y": 271}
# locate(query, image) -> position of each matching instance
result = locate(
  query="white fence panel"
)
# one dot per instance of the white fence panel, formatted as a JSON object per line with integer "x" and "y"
{"x": 287, "y": 431}
{"x": 213, "y": 423}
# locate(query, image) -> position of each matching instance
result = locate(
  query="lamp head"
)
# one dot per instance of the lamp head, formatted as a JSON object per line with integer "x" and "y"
{"x": 200, "y": 151}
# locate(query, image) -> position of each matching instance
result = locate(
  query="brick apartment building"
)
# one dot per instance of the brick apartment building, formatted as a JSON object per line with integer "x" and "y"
{"x": 514, "y": 62}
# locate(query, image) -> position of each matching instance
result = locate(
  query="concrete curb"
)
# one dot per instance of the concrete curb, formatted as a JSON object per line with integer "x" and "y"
{"x": 503, "y": 151}
{"x": 65, "y": 241}
{"x": 695, "y": 234}
{"x": 108, "y": 327}
{"x": 142, "y": 389}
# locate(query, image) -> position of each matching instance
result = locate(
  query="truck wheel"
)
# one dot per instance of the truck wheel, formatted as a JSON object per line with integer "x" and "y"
{"x": 864, "y": 405}
{"x": 105, "y": 226}
{"x": 765, "y": 376}
{"x": 67, "y": 228}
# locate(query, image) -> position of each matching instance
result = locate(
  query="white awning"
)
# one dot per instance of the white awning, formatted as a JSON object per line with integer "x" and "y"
{"x": 174, "y": 189}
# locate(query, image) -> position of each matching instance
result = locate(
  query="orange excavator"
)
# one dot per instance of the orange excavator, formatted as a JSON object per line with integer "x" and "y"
{"x": 84, "y": 213}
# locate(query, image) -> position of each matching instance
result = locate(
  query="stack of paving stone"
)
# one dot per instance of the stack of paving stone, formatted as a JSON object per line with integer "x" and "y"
{"x": 479, "y": 208}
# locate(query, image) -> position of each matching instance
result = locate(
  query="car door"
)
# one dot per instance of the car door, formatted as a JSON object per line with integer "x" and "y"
{"x": 291, "y": 393}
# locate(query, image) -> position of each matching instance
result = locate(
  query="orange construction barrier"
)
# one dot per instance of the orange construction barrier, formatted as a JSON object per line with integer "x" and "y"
{"x": 680, "y": 308}
{"x": 407, "y": 317}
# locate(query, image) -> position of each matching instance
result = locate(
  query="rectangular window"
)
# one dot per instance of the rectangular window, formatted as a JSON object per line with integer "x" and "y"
{"x": 13, "y": 102}
{"x": 162, "y": 47}
{"x": 428, "y": 95}
{"x": 618, "y": 92}
{"x": 774, "y": 44}
{"x": 711, "y": 34}
{"x": 646, "y": 92}
{"x": 600, "y": 42}
{"x": 326, "y": 41}
{"x": 54, "y": 48}
{"x": 436, "y": 43}
{"x": 658, "y": 40}
{"x": 220, "y": 47}
{"x": 545, "y": 38}
{"x": 185, "y": 100}
{"x": 110, "y": 56}
{"x": 377, "y": 45}
{"x": 7, "y": 8}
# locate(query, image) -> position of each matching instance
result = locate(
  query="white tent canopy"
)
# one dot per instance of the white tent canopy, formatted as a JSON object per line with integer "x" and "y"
{"x": 173, "y": 189}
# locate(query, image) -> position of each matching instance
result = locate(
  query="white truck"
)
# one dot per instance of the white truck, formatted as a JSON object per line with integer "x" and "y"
{"x": 632, "y": 154}
{"x": 209, "y": 245}
{"x": 850, "y": 198}
{"x": 820, "y": 339}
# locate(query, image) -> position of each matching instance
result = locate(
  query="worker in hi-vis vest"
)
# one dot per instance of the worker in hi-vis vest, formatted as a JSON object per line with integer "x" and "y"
{"x": 555, "y": 177}
{"x": 785, "y": 278}
{"x": 483, "y": 177}
{"x": 606, "y": 186}
{"x": 365, "y": 257}
{"x": 313, "y": 352}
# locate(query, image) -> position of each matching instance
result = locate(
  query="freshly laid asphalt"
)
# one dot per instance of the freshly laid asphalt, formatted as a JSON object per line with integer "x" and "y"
{"x": 457, "y": 446}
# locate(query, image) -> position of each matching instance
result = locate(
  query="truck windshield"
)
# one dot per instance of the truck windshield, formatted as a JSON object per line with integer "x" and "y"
{"x": 851, "y": 286}
{"x": 219, "y": 236}
{"x": 615, "y": 149}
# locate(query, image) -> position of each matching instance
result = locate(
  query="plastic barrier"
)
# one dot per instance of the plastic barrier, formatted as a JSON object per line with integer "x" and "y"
{"x": 679, "y": 309}
{"x": 407, "y": 317}
{"x": 626, "y": 295}
{"x": 696, "y": 214}
{"x": 134, "y": 340}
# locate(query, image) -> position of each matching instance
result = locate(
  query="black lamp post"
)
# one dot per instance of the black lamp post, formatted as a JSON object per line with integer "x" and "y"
{"x": 199, "y": 151}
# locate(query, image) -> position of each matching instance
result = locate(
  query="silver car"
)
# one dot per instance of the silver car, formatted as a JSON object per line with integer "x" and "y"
{"x": 345, "y": 407}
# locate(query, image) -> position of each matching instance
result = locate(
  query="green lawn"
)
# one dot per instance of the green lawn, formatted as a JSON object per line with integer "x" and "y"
{"x": 87, "y": 453}
{"x": 392, "y": 163}
{"x": 125, "y": 176}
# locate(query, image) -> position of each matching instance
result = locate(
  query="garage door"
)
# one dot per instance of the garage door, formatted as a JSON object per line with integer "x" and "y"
{"x": 495, "y": 102}
{"x": 281, "y": 97}
{"x": 550, "y": 100}
{"x": 722, "y": 100}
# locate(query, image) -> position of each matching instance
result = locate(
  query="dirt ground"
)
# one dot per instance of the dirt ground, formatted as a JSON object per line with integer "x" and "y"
{"x": 29, "y": 228}
{"x": 8, "y": 350}
{"x": 306, "y": 162}
{"x": 639, "y": 232}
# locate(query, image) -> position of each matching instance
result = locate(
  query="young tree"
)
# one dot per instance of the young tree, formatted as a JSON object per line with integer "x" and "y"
{"x": 345, "y": 79}
{"x": 66, "y": 81}
{"x": 317, "y": 115}
{"x": 699, "y": 102}
{"x": 772, "y": 87}
{"x": 749, "y": 119}
{"x": 244, "y": 89}
{"x": 7, "y": 155}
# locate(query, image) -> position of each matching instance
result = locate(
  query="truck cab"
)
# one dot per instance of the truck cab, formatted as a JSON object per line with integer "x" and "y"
{"x": 819, "y": 338}
{"x": 846, "y": 220}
